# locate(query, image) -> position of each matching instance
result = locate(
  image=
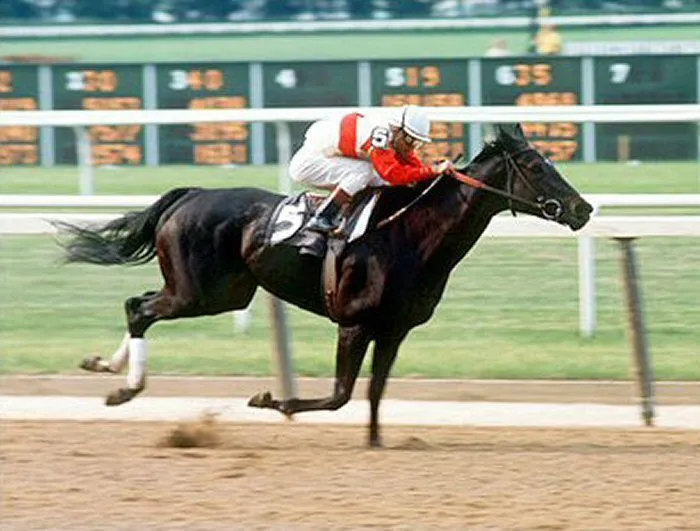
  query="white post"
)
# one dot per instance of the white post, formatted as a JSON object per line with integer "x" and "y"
{"x": 586, "y": 285}
{"x": 283, "y": 346}
{"x": 83, "y": 150}
{"x": 637, "y": 329}
{"x": 284, "y": 155}
{"x": 242, "y": 318}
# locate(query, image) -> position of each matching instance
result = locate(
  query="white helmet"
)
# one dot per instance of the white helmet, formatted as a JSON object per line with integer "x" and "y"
{"x": 414, "y": 121}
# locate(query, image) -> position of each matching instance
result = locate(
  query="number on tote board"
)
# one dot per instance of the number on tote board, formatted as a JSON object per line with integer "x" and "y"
{"x": 287, "y": 78}
{"x": 91, "y": 80}
{"x": 619, "y": 72}
{"x": 412, "y": 76}
{"x": 211, "y": 79}
{"x": 5, "y": 81}
{"x": 524, "y": 75}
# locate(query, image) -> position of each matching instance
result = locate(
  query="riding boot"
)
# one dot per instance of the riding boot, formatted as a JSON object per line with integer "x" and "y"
{"x": 327, "y": 217}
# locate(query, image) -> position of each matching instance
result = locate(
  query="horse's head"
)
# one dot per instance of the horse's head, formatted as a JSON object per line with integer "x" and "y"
{"x": 511, "y": 164}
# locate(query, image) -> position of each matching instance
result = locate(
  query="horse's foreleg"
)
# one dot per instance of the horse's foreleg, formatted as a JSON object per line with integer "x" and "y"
{"x": 351, "y": 349}
{"x": 385, "y": 350}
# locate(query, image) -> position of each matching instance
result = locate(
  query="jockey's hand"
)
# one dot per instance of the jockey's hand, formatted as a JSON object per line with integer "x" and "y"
{"x": 445, "y": 166}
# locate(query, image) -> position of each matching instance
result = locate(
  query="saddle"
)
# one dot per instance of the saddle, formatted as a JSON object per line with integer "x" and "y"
{"x": 286, "y": 227}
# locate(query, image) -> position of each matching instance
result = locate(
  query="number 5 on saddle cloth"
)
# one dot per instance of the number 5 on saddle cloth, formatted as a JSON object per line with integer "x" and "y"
{"x": 293, "y": 213}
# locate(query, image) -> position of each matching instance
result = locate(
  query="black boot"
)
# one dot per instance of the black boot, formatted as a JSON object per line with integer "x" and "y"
{"x": 326, "y": 218}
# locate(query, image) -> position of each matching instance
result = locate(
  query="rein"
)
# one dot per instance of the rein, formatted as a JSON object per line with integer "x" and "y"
{"x": 409, "y": 205}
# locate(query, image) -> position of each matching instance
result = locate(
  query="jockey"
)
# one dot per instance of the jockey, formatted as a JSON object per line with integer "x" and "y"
{"x": 348, "y": 154}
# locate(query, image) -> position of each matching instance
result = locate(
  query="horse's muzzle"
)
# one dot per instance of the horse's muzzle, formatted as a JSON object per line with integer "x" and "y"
{"x": 579, "y": 214}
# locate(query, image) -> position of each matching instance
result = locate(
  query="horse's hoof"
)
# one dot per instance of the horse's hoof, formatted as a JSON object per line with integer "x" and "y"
{"x": 94, "y": 364}
{"x": 262, "y": 399}
{"x": 120, "y": 396}
{"x": 286, "y": 407}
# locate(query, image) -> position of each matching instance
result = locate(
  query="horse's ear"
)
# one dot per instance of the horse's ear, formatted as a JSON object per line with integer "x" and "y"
{"x": 518, "y": 132}
{"x": 509, "y": 132}
{"x": 501, "y": 131}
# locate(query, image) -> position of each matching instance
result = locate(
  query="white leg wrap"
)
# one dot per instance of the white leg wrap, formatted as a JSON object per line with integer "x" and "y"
{"x": 118, "y": 360}
{"x": 138, "y": 357}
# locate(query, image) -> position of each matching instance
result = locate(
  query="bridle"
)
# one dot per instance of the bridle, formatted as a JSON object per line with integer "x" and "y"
{"x": 550, "y": 208}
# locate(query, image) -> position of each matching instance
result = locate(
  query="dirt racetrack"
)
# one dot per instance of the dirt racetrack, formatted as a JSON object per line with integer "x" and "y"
{"x": 118, "y": 475}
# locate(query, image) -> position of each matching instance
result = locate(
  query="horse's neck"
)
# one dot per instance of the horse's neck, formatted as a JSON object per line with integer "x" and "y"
{"x": 483, "y": 205}
{"x": 468, "y": 218}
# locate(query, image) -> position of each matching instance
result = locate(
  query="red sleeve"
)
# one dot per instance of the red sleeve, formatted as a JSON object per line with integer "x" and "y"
{"x": 397, "y": 172}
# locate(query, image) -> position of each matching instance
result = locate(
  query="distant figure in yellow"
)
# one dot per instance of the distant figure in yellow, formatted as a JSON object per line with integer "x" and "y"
{"x": 499, "y": 48}
{"x": 548, "y": 40}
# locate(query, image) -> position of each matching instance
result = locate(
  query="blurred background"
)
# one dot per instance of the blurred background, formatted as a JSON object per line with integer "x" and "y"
{"x": 181, "y": 54}
{"x": 138, "y": 11}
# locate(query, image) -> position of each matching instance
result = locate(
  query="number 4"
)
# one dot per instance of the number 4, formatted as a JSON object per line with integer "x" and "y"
{"x": 287, "y": 77}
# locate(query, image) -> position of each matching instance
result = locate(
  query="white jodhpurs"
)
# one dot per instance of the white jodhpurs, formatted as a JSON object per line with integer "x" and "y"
{"x": 317, "y": 170}
{"x": 318, "y": 163}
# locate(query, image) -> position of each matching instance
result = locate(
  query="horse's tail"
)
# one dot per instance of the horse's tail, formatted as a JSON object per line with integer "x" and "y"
{"x": 129, "y": 239}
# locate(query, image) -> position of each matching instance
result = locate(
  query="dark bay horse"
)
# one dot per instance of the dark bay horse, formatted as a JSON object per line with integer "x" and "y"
{"x": 213, "y": 255}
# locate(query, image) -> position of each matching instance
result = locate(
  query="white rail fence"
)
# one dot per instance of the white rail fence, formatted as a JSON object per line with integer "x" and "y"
{"x": 481, "y": 114}
{"x": 586, "y": 114}
{"x": 503, "y": 226}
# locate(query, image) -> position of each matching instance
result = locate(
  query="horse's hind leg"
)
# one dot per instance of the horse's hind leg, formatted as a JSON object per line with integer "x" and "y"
{"x": 116, "y": 363}
{"x": 142, "y": 312}
{"x": 352, "y": 346}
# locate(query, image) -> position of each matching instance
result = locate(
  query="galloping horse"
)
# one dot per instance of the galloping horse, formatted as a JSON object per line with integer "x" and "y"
{"x": 213, "y": 254}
